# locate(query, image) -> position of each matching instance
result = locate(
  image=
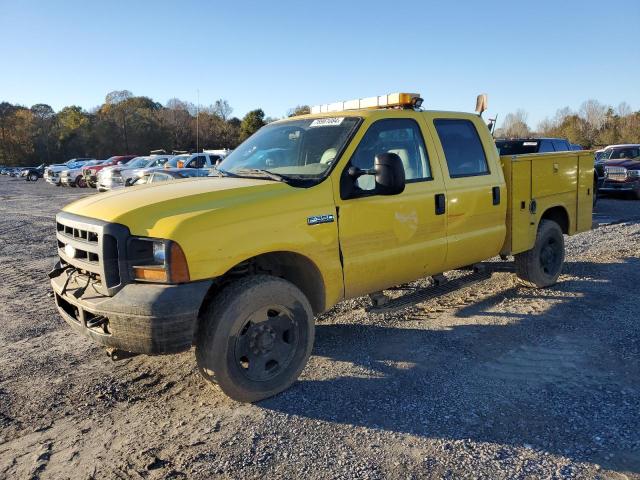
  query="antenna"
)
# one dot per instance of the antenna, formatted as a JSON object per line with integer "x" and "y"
{"x": 198, "y": 123}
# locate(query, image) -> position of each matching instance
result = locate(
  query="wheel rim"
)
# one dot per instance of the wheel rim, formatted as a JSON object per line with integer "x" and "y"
{"x": 550, "y": 257}
{"x": 266, "y": 343}
{"x": 81, "y": 183}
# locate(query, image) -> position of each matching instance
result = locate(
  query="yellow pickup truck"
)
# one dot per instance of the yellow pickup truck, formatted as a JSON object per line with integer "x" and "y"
{"x": 349, "y": 200}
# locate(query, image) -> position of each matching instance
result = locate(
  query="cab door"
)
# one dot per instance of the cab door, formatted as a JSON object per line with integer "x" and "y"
{"x": 390, "y": 240}
{"x": 476, "y": 197}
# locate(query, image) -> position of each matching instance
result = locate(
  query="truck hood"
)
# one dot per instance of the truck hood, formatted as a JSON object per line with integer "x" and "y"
{"x": 627, "y": 163}
{"x": 141, "y": 208}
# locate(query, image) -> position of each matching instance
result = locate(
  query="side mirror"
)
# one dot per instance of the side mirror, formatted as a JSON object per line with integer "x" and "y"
{"x": 119, "y": 163}
{"x": 389, "y": 173}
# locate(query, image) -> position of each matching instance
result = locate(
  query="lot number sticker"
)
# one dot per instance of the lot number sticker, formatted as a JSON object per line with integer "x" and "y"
{"x": 327, "y": 122}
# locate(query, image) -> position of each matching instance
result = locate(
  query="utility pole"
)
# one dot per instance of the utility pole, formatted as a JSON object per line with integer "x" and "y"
{"x": 198, "y": 124}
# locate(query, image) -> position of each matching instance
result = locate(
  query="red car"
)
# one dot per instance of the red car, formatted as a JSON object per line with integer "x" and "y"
{"x": 90, "y": 174}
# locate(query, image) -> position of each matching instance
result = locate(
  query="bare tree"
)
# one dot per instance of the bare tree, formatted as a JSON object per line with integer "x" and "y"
{"x": 515, "y": 124}
{"x": 624, "y": 109}
{"x": 594, "y": 113}
{"x": 222, "y": 109}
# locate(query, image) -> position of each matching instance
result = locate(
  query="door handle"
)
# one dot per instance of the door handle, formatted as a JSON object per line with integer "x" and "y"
{"x": 495, "y": 192}
{"x": 441, "y": 204}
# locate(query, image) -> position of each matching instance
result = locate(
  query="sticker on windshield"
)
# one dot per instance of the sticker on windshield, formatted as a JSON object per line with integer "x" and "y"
{"x": 327, "y": 122}
{"x": 530, "y": 144}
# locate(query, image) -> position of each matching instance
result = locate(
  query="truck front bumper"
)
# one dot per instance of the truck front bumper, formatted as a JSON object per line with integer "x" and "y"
{"x": 628, "y": 186}
{"x": 140, "y": 318}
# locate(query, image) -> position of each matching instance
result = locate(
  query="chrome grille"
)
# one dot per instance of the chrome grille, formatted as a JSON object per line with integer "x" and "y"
{"x": 618, "y": 174}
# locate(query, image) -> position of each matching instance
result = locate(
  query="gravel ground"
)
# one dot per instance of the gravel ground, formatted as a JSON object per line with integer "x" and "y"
{"x": 494, "y": 381}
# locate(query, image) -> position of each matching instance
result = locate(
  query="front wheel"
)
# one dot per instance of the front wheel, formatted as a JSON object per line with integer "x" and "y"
{"x": 33, "y": 177}
{"x": 255, "y": 337}
{"x": 80, "y": 182}
{"x": 541, "y": 266}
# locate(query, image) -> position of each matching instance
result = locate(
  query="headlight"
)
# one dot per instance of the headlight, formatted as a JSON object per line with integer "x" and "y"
{"x": 156, "y": 260}
{"x": 633, "y": 173}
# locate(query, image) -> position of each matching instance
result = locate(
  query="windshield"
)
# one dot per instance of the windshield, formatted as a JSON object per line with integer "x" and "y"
{"x": 138, "y": 162}
{"x": 173, "y": 162}
{"x": 620, "y": 153}
{"x": 157, "y": 162}
{"x": 516, "y": 147}
{"x": 302, "y": 149}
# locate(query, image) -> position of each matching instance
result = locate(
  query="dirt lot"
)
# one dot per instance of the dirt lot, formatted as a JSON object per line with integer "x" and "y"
{"x": 495, "y": 381}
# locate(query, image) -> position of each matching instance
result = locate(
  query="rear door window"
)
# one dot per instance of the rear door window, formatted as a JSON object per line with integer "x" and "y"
{"x": 561, "y": 146}
{"x": 462, "y": 147}
{"x": 546, "y": 146}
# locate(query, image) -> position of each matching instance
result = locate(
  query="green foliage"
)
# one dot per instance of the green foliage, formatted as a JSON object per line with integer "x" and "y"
{"x": 251, "y": 123}
{"x": 594, "y": 125}
{"x": 124, "y": 123}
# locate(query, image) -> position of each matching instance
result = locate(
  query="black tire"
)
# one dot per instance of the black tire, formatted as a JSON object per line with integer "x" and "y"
{"x": 33, "y": 177}
{"x": 255, "y": 337}
{"x": 541, "y": 266}
{"x": 80, "y": 182}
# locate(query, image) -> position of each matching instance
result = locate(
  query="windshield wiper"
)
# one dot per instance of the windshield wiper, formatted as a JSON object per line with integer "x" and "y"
{"x": 258, "y": 171}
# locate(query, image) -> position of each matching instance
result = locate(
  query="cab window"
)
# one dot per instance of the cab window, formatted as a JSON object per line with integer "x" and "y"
{"x": 462, "y": 148}
{"x": 401, "y": 136}
{"x": 546, "y": 146}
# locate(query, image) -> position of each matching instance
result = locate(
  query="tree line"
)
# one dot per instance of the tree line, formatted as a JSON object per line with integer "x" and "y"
{"x": 593, "y": 125}
{"x": 123, "y": 124}
{"x": 129, "y": 124}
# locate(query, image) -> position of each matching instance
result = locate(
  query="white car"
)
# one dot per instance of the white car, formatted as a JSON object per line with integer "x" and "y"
{"x": 124, "y": 175}
{"x": 73, "y": 177}
{"x": 52, "y": 172}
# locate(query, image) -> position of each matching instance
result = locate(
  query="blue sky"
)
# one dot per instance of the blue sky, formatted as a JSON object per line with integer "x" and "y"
{"x": 276, "y": 54}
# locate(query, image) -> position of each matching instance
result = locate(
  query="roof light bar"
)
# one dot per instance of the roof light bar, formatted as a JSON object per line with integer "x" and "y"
{"x": 405, "y": 100}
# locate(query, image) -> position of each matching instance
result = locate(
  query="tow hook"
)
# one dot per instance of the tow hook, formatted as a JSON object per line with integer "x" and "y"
{"x": 115, "y": 354}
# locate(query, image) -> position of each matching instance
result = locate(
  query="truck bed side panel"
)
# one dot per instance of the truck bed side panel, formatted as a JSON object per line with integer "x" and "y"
{"x": 550, "y": 180}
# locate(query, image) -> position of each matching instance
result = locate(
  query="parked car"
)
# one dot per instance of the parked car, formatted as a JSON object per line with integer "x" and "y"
{"x": 91, "y": 174}
{"x": 73, "y": 177}
{"x": 123, "y": 175}
{"x": 164, "y": 174}
{"x": 621, "y": 164}
{"x": 575, "y": 146}
{"x": 519, "y": 146}
{"x": 32, "y": 174}
{"x": 52, "y": 172}
{"x": 195, "y": 160}
{"x": 14, "y": 172}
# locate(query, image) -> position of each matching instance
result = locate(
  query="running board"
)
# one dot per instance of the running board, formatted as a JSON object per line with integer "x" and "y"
{"x": 438, "y": 289}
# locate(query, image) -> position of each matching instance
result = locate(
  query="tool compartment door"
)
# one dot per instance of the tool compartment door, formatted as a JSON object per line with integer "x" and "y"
{"x": 553, "y": 173}
{"x": 584, "y": 205}
{"x": 521, "y": 228}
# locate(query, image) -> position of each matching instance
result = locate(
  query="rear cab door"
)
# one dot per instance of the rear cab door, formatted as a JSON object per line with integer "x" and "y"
{"x": 476, "y": 200}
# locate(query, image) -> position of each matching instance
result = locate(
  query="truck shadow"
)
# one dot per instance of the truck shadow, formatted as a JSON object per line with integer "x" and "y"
{"x": 564, "y": 379}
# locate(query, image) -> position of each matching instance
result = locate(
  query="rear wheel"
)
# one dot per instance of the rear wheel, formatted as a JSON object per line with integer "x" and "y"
{"x": 255, "y": 337}
{"x": 541, "y": 266}
{"x": 80, "y": 182}
{"x": 33, "y": 177}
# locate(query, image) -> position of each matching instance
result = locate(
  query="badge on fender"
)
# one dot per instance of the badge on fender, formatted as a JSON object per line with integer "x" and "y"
{"x": 317, "y": 219}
